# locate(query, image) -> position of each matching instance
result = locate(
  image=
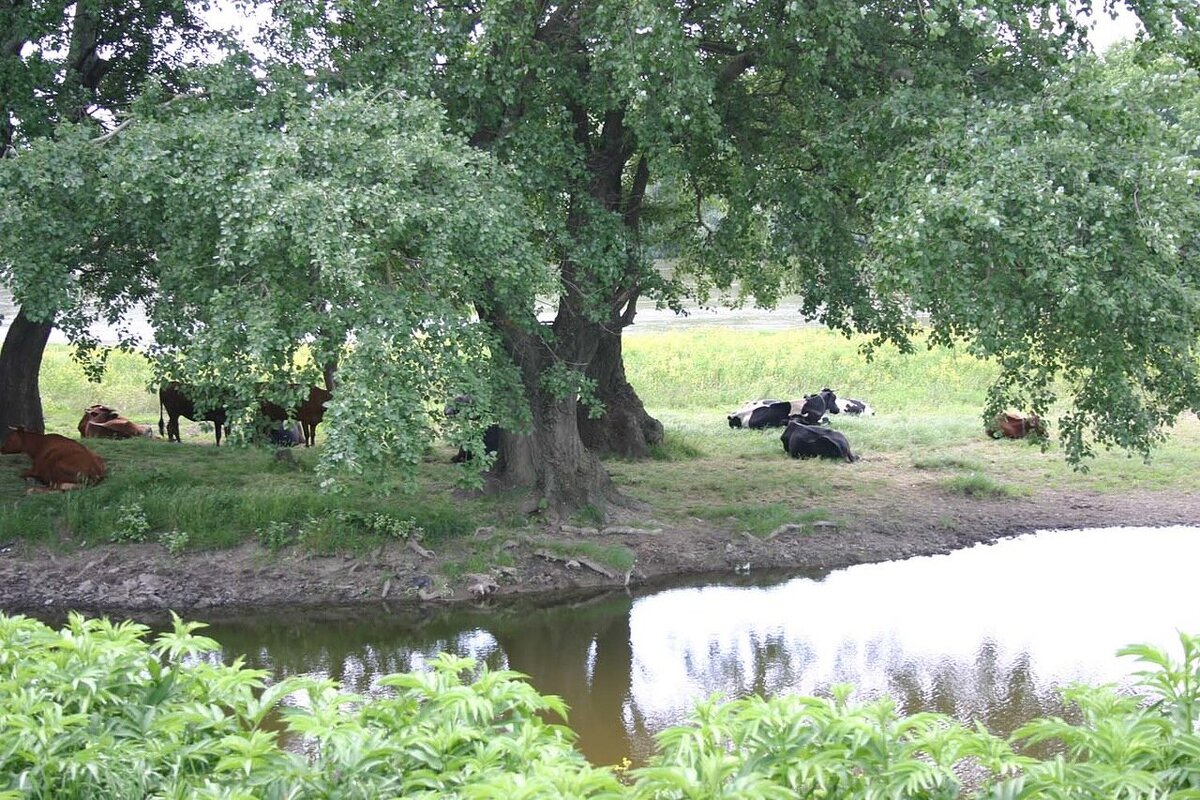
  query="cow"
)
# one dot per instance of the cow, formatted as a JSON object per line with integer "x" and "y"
{"x": 854, "y": 407}
{"x": 1010, "y": 425}
{"x": 761, "y": 414}
{"x": 839, "y": 405}
{"x": 812, "y": 441}
{"x": 309, "y": 413}
{"x": 174, "y": 397}
{"x": 102, "y": 422}
{"x": 286, "y": 434}
{"x": 491, "y": 435}
{"x": 810, "y": 411}
{"x": 58, "y": 462}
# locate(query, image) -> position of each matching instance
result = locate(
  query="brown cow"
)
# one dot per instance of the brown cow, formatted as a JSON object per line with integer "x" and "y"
{"x": 174, "y": 398}
{"x": 1007, "y": 425}
{"x": 59, "y": 462}
{"x": 102, "y": 422}
{"x": 309, "y": 413}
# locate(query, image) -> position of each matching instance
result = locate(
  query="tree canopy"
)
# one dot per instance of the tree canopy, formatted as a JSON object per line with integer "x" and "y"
{"x": 1058, "y": 235}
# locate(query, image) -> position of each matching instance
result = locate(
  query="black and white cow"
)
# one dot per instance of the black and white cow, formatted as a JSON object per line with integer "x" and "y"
{"x": 761, "y": 414}
{"x": 856, "y": 407}
{"x": 837, "y": 405}
{"x": 813, "y": 441}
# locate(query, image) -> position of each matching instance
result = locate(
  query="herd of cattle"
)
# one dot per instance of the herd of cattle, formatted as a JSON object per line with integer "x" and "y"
{"x": 60, "y": 463}
{"x": 805, "y": 422}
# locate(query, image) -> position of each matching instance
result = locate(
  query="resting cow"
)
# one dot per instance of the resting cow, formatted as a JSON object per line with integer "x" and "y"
{"x": 58, "y": 462}
{"x": 174, "y": 398}
{"x": 1008, "y": 425}
{"x": 813, "y": 441}
{"x": 761, "y": 414}
{"x": 811, "y": 410}
{"x": 102, "y": 422}
{"x": 309, "y": 413}
{"x": 855, "y": 407}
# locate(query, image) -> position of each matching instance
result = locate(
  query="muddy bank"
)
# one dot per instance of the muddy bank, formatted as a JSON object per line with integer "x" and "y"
{"x": 145, "y": 578}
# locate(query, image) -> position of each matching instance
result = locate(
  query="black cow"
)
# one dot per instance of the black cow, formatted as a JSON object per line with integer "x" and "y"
{"x": 811, "y": 410}
{"x": 465, "y": 403}
{"x": 174, "y": 398}
{"x": 286, "y": 434}
{"x": 309, "y": 413}
{"x": 812, "y": 441}
{"x": 761, "y": 414}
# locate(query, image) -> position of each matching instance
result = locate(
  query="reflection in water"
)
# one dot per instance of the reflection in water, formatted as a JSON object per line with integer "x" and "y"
{"x": 983, "y": 634}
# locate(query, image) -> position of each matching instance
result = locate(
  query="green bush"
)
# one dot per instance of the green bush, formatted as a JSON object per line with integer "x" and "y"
{"x": 96, "y": 711}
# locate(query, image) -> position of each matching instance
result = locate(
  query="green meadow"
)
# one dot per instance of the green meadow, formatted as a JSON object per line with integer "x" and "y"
{"x": 927, "y": 435}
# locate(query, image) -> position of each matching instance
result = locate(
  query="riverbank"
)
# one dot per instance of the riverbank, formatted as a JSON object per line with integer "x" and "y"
{"x": 147, "y": 580}
{"x": 196, "y": 528}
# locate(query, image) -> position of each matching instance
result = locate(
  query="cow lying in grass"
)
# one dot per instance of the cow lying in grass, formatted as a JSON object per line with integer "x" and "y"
{"x": 1010, "y": 425}
{"x": 812, "y": 409}
{"x": 102, "y": 422}
{"x": 813, "y": 441}
{"x": 58, "y": 462}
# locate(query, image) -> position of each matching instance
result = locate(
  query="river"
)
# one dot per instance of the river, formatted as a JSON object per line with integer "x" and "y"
{"x": 988, "y": 634}
{"x": 649, "y": 320}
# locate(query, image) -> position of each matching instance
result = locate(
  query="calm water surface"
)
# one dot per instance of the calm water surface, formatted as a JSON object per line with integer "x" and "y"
{"x": 983, "y": 634}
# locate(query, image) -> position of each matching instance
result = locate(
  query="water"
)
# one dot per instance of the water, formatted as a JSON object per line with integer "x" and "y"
{"x": 648, "y": 320}
{"x": 983, "y": 634}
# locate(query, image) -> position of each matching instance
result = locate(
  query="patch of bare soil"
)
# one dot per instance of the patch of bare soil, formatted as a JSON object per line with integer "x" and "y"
{"x": 921, "y": 520}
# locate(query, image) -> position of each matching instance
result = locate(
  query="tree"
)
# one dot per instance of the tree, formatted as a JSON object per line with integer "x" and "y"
{"x": 765, "y": 146}
{"x": 65, "y": 65}
{"x": 744, "y": 137}
{"x": 1063, "y": 241}
{"x": 347, "y": 229}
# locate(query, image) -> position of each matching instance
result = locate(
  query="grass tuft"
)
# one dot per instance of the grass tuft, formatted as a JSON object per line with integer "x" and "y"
{"x": 976, "y": 485}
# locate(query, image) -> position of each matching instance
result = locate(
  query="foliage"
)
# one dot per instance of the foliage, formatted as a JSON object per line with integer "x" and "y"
{"x": 94, "y": 710}
{"x": 176, "y": 541}
{"x": 131, "y": 522}
{"x": 1061, "y": 242}
{"x": 555, "y": 152}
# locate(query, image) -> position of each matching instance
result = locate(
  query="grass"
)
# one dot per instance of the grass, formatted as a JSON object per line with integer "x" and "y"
{"x": 976, "y": 485}
{"x": 928, "y": 433}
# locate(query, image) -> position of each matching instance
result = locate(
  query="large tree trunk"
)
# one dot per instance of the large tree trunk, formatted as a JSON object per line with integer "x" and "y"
{"x": 625, "y": 429}
{"x": 552, "y": 459}
{"x": 20, "y": 365}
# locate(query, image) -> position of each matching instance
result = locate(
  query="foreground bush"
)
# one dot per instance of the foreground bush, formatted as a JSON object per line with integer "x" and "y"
{"x": 97, "y": 711}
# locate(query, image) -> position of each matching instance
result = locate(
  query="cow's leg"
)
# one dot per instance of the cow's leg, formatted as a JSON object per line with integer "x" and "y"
{"x": 173, "y": 429}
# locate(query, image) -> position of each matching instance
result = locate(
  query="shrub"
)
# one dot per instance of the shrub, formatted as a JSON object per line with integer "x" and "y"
{"x": 96, "y": 711}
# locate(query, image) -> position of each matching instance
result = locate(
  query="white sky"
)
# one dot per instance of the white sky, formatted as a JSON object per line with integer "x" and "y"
{"x": 1106, "y": 31}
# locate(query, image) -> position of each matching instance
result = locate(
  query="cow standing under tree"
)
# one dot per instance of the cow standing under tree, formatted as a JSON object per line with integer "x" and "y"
{"x": 174, "y": 398}
{"x": 309, "y": 413}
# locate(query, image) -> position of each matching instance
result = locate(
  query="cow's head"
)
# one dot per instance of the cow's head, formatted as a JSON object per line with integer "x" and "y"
{"x": 14, "y": 442}
{"x": 830, "y": 400}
